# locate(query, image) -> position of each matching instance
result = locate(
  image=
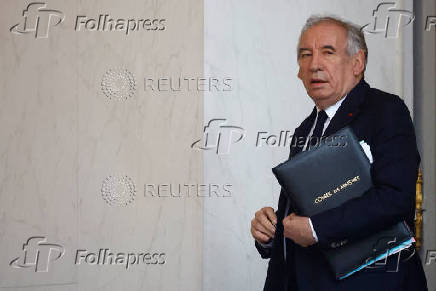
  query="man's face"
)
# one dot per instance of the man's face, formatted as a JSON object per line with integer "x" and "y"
{"x": 327, "y": 71}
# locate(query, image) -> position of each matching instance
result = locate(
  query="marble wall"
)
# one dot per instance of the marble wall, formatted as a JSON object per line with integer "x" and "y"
{"x": 90, "y": 127}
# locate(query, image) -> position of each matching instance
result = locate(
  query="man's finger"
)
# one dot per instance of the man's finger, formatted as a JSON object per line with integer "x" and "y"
{"x": 271, "y": 215}
{"x": 256, "y": 224}
{"x": 259, "y": 236}
{"x": 266, "y": 226}
{"x": 262, "y": 218}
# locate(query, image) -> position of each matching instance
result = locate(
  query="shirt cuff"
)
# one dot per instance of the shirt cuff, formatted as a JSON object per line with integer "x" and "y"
{"x": 313, "y": 231}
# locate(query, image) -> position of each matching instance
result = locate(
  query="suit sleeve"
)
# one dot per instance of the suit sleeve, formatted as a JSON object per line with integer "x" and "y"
{"x": 265, "y": 252}
{"x": 394, "y": 173}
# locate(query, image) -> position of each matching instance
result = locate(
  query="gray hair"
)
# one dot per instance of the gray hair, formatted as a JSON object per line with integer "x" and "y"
{"x": 355, "y": 37}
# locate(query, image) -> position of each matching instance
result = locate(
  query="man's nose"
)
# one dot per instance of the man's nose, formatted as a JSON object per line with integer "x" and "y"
{"x": 315, "y": 63}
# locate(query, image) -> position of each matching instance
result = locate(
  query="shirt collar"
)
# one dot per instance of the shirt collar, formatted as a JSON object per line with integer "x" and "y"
{"x": 331, "y": 110}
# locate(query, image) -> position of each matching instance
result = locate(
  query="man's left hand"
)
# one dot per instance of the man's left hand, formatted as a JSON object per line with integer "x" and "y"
{"x": 297, "y": 228}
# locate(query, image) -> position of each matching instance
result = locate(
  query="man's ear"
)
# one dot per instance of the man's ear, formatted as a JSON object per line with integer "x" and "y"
{"x": 358, "y": 63}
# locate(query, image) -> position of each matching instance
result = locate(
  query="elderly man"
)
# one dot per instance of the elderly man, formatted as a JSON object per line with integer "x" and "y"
{"x": 332, "y": 56}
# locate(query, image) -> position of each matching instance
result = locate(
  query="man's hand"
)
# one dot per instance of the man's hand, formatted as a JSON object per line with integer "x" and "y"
{"x": 298, "y": 229}
{"x": 263, "y": 225}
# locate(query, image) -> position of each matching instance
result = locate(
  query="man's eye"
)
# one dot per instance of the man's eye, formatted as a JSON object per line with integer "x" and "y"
{"x": 329, "y": 52}
{"x": 305, "y": 55}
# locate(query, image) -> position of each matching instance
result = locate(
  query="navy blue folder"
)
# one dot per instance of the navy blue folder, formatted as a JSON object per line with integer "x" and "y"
{"x": 325, "y": 177}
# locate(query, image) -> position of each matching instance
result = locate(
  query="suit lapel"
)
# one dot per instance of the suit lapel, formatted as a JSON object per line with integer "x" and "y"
{"x": 347, "y": 112}
{"x": 349, "y": 109}
{"x": 301, "y": 133}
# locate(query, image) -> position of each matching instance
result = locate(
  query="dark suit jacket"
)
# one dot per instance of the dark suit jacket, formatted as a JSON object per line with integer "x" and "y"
{"x": 383, "y": 121}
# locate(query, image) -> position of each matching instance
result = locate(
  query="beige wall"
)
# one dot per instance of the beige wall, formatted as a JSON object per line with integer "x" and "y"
{"x": 62, "y": 137}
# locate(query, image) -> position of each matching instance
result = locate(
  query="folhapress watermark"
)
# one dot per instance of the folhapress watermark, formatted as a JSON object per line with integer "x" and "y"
{"x": 105, "y": 22}
{"x": 388, "y": 19}
{"x": 430, "y": 23}
{"x": 219, "y": 136}
{"x": 430, "y": 257}
{"x": 391, "y": 260}
{"x": 107, "y": 257}
{"x": 38, "y": 20}
{"x": 38, "y": 254}
{"x": 286, "y": 139}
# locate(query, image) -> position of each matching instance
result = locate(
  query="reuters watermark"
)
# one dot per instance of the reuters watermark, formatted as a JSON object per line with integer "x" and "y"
{"x": 188, "y": 84}
{"x": 188, "y": 190}
{"x": 121, "y": 84}
{"x": 118, "y": 84}
{"x": 120, "y": 190}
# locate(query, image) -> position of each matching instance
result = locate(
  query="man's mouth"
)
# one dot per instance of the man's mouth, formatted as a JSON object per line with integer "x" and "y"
{"x": 317, "y": 81}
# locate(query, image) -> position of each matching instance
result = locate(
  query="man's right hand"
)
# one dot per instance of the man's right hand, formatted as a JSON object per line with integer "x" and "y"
{"x": 263, "y": 225}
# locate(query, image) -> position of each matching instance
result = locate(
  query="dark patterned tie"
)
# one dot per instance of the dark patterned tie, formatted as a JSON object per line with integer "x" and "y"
{"x": 317, "y": 132}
